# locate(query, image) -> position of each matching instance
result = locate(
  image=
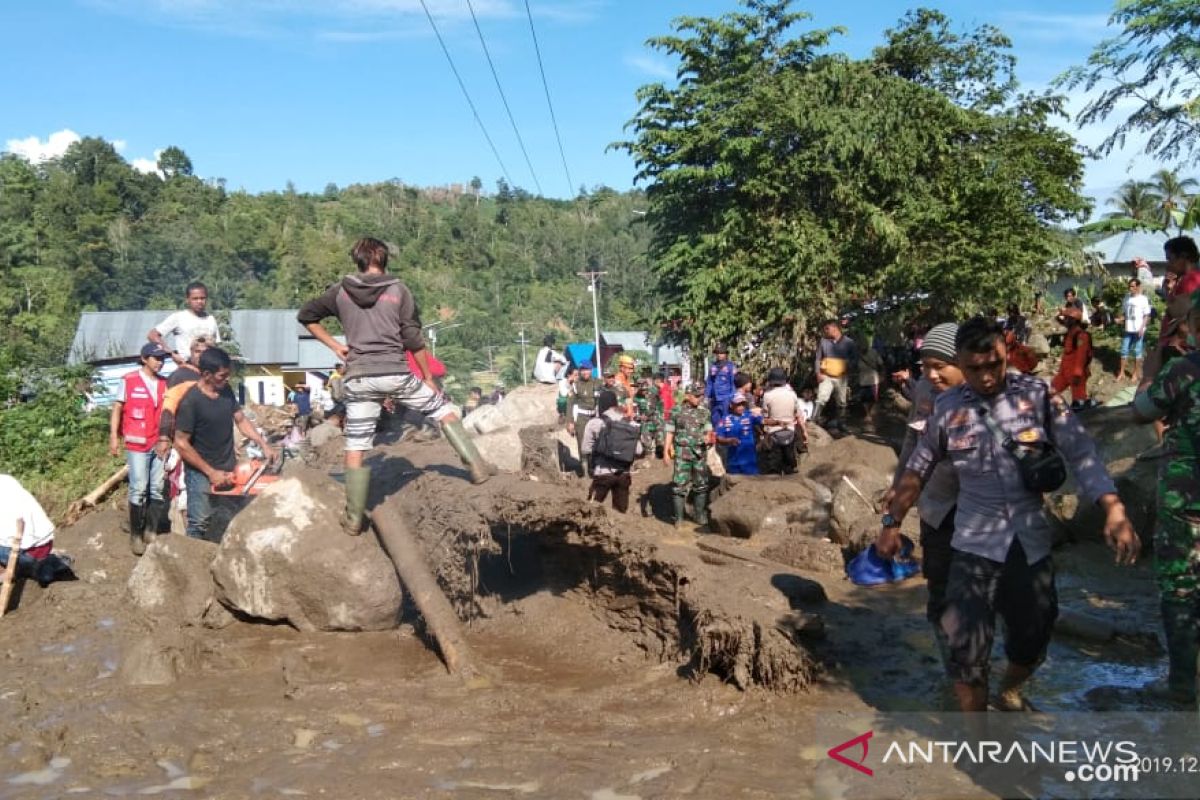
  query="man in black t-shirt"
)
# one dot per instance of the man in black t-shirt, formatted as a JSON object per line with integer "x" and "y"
{"x": 204, "y": 437}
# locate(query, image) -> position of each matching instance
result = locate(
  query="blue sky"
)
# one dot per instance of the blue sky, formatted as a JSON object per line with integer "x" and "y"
{"x": 261, "y": 92}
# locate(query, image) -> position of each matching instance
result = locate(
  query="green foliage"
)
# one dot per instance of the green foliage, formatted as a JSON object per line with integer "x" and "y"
{"x": 1153, "y": 65}
{"x": 786, "y": 183}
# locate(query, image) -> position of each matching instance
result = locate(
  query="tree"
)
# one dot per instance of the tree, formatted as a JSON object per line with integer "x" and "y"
{"x": 173, "y": 162}
{"x": 1172, "y": 193}
{"x": 1136, "y": 200}
{"x": 1154, "y": 64}
{"x": 786, "y": 184}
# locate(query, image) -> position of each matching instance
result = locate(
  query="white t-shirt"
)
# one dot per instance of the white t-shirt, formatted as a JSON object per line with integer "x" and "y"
{"x": 547, "y": 364}
{"x": 17, "y": 503}
{"x": 185, "y": 326}
{"x": 1137, "y": 308}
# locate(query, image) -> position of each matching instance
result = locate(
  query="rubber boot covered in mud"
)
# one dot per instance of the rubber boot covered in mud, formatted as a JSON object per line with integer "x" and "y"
{"x": 700, "y": 505}
{"x": 358, "y": 486}
{"x": 480, "y": 469}
{"x": 680, "y": 509}
{"x": 156, "y": 510}
{"x": 137, "y": 525}
{"x": 1182, "y": 627}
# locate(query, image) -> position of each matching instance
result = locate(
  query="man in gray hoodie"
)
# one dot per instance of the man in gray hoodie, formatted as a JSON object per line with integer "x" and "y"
{"x": 382, "y": 323}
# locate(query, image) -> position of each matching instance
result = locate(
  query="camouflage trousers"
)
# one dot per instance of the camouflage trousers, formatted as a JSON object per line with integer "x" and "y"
{"x": 1177, "y": 555}
{"x": 689, "y": 474}
{"x": 650, "y": 438}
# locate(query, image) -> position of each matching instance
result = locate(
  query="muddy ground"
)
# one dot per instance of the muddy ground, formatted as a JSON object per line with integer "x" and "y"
{"x": 600, "y": 685}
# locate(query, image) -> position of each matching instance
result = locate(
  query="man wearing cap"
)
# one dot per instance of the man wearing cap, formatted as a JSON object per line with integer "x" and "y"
{"x": 625, "y": 384}
{"x": 1001, "y": 561}
{"x": 939, "y": 372}
{"x": 1073, "y": 370}
{"x": 689, "y": 434}
{"x": 1174, "y": 396}
{"x": 836, "y": 353}
{"x": 783, "y": 420}
{"x": 720, "y": 388}
{"x": 581, "y": 407}
{"x": 737, "y": 431}
{"x": 134, "y": 419}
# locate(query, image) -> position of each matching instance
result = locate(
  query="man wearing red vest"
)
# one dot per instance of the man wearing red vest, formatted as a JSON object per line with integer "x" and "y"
{"x": 134, "y": 418}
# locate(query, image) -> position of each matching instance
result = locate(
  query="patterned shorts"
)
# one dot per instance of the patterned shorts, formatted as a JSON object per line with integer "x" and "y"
{"x": 365, "y": 396}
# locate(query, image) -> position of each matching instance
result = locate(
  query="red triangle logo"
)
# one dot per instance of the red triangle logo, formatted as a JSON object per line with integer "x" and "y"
{"x": 836, "y": 753}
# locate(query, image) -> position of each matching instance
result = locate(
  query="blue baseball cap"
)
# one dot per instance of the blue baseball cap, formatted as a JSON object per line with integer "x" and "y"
{"x": 585, "y": 364}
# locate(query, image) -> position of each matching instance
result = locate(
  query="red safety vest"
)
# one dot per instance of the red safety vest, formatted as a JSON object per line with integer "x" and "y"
{"x": 139, "y": 414}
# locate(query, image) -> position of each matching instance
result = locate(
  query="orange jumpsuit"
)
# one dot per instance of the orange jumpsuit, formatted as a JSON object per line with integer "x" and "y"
{"x": 1073, "y": 371}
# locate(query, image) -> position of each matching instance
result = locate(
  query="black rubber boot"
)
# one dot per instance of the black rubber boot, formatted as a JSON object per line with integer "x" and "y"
{"x": 137, "y": 524}
{"x": 700, "y": 503}
{"x": 680, "y": 509}
{"x": 1182, "y": 628}
{"x": 155, "y": 511}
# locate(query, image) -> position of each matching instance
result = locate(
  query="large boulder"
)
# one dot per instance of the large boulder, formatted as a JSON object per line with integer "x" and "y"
{"x": 1118, "y": 441}
{"x": 750, "y": 505}
{"x": 286, "y": 559}
{"x": 501, "y": 448}
{"x": 854, "y": 464}
{"x": 174, "y": 579}
{"x": 524, "y": 407}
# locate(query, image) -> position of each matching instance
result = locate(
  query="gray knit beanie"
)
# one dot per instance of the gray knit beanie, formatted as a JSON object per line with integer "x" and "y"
{"x": 939, "y": 342}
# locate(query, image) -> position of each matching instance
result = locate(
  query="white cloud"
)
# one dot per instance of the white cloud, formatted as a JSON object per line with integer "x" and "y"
{"x": 35, "y": 150}
{"x": 655, "y": 68}
{"x": 147, "y": 165}
{"x": 119, "y": 145}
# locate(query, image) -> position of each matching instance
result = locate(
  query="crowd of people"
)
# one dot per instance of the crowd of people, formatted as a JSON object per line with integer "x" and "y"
{"x": 985, "y": 440}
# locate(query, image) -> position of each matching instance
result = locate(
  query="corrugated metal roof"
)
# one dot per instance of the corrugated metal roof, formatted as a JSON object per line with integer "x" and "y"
{"x": 1128, "y": 245}
{"x": 629, "y": 340}
{"x": 267, "y": 336}
{"x": 312, "y": 355}
{"x": 112, "y": 335}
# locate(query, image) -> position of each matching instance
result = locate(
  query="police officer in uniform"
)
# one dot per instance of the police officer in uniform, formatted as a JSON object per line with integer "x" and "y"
{"x": 1001, "y": 543}
{"x": 689, "y": 433}
{"x": 721, "y": 384}
{"x": 581, "y": 408}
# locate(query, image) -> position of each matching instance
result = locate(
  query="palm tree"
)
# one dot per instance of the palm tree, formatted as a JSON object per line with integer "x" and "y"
{"x": 1173, "y": 195}
{"x": 1137, "y": 201}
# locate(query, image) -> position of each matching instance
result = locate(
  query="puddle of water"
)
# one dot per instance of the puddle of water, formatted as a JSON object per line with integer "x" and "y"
{"x": 42, "y": 777}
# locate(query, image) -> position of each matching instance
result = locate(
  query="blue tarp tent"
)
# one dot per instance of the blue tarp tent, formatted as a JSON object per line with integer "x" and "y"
{"x": 582, "y": 351}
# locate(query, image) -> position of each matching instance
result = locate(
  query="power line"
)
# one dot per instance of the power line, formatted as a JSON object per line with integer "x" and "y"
{"x": 466, "y": 94}
{"x": 542, "y": 69}
{"x": 503, "y": 98}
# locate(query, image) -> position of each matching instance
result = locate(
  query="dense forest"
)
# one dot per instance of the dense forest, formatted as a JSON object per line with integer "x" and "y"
{"x": 88, "y": 232}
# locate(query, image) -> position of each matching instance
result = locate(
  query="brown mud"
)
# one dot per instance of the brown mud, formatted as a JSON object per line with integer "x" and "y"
{"x": 627, "y": 660}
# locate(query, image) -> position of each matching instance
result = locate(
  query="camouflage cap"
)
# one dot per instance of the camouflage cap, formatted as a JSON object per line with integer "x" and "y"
{"x": 695, "y": 387}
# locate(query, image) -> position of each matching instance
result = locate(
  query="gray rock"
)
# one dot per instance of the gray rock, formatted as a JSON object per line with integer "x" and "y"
{"x": 762, "y": 504}
{"x": 501, "y": 448}
{"x": 285, "y": 558}
{"x": 323, "y": 434}
{"x": 173, "y": 579}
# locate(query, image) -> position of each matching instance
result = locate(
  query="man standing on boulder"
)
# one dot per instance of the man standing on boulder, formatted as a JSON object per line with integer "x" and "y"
{"x": 720, "y": 388}
{"x": 990, "y": 428}
{"x": 381, "y": 322}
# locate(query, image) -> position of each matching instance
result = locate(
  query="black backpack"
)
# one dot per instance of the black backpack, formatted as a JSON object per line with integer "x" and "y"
{"x": 618, "y": 441}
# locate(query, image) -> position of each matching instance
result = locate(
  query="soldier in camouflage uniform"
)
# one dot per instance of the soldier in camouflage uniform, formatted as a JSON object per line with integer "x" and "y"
{"x": 1174, "y": 396}
{"x": 689, "y": 434}
{"x": 647, "y": 415}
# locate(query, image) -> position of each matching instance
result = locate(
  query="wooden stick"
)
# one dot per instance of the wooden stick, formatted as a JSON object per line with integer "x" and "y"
{"x": 431, "y": 601}
{"x": 96, "y": 495}
{"x": 10, "y": 571}
{"x": 862, "y": 496}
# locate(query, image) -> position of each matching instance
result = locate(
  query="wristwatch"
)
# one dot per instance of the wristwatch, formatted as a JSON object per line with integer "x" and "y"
{"x": 889, "y": 521}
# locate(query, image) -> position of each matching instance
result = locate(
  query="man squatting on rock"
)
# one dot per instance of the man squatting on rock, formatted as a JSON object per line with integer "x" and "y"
{"x": 381, "y": 321}
{"x": 1001, "y": 559}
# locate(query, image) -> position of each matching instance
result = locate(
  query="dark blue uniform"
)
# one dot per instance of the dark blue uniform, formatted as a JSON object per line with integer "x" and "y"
{"x": 720, "y": 389}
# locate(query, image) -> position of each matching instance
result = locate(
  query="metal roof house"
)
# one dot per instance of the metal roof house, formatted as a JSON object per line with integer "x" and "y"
{"x": 274, "y": 348}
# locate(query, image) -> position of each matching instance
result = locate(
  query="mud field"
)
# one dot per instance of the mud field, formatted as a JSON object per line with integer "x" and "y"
{"x": 624, "y": 660}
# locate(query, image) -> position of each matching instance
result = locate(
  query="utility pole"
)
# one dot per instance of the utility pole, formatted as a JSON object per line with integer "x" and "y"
{"x": 593, "y": 287}
{"x": 523, "y": 341}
